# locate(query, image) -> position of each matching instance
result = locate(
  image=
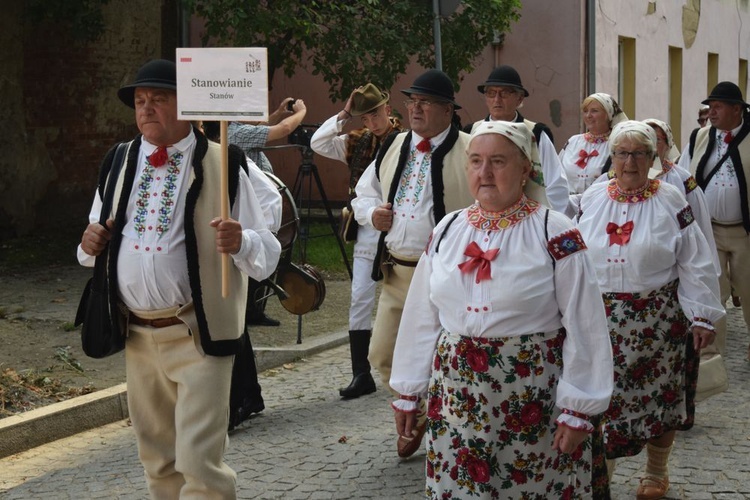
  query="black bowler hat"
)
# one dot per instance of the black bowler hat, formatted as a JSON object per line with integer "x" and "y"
{"x": 433, "y": 82}
{"x": 158, "y": 73}
{"x": 504, "y": 76}
{"x": 727, "y": 92}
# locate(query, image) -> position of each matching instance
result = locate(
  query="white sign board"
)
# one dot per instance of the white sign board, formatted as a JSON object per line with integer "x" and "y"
{"x": 222, "y": 84}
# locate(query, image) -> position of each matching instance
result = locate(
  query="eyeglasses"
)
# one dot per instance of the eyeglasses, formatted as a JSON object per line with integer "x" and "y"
{"x": 503, "y": 93}
{"x": 422, "y": 103}
{"x": 637, "y": 155}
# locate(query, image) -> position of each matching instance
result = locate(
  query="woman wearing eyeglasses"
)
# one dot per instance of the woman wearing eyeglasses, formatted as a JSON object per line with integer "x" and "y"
{"x": 660, "y": 288}
{"x": 585, "y": 156}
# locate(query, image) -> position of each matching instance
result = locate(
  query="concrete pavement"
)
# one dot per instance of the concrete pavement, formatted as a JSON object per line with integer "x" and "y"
{"x": 308, "y": 444}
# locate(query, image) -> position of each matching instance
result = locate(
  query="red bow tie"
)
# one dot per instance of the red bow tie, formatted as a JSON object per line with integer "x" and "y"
{"x": 728, "y": 137}
{"x": 619, "y": 235}
{"x": 424, "y": 146}
{"x": 478, "y": 259}
{"x": 583, "y": 157}
{"x": 158, "y": 157}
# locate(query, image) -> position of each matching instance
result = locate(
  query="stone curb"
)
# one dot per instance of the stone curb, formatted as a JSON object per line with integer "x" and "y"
{"x": 59, "y": 420}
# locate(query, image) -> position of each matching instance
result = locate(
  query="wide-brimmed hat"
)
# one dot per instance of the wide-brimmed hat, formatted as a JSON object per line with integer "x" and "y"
{"x": 727, "y": 92}
{"x": 158, "y": 73}
{"x": 504, "y": 76}
{"x": 434, "y": 83}
{"x": 367, "y": 99}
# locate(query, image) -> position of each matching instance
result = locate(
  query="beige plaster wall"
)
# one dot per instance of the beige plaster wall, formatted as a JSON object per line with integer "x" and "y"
{"x": 722, "y": 28}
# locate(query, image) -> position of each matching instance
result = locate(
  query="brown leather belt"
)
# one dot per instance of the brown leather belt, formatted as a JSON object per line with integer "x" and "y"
{"x": 407, "y": 263}
{"x": 156, "y": 322}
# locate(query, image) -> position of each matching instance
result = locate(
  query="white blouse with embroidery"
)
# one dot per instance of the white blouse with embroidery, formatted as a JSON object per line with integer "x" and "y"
{"x": 688, "y": 186}
{"x": 641, "y": 242}
{"x": 524, "y": 295}
{"x": 583, "y": 158}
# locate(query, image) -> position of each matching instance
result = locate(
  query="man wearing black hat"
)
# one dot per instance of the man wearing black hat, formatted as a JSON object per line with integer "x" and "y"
{"x": 417, "y": 178}
{"x": 504, "y": 94}
{"x": 163, "y": 242}
{"x": 719, "y": 158}
{"x": 358, "y": 149}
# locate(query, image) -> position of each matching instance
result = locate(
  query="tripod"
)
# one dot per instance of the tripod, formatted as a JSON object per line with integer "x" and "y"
{"x": 306, "y": 173}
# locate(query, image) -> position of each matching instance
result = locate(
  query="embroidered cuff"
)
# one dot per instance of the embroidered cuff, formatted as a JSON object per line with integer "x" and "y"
{"x": 575, "y": 423}
{"x": 406, "y": 404}
{"x": 576, "y": 414}
{"x": 704, "y": 322}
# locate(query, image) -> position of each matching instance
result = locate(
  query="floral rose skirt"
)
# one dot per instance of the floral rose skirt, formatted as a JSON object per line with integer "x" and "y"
{"x": 491, "y": 420}
{"x": 656, "y": 369}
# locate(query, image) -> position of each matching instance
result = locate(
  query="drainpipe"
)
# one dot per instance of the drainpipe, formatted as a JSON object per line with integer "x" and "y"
{"x": 590, "y": 47}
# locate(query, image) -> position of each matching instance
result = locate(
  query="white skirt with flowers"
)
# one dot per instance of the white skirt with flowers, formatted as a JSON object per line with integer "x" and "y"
{"x": 491, "y": 420}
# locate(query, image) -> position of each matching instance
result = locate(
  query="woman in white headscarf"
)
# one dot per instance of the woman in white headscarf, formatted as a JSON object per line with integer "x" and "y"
{"x": 586, "y": 156}
{"x": 668, "y": 171}
{"x": 660, "y": 288}
{"x": 504, "y": 334}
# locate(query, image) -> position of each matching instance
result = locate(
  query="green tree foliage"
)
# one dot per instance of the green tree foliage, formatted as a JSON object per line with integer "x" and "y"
{"x": 348, "y": 41}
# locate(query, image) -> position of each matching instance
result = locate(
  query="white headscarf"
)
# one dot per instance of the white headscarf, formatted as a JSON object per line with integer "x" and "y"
{"x": 649, "y": 138}
{"x": 634, "y": 126}
{"x": 614, "y": 113}
{"x": 673, "y": 152}
{"x": 517, "y": 133}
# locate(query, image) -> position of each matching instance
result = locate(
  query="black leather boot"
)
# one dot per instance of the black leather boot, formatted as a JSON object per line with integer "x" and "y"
{"x": 362, "y": 383}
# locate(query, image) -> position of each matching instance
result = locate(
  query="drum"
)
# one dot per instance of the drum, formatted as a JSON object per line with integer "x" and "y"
{"x": 289, "y": 228}
{"x": 304, "y": 286}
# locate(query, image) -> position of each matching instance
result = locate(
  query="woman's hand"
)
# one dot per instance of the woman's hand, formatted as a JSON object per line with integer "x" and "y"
{"x": 702, "y": 337}
{"x": 567, "y": 440}
{"x": 405, "y": 423}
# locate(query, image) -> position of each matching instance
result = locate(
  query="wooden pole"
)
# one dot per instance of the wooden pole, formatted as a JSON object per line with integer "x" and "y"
{"x": 224, "y": 205}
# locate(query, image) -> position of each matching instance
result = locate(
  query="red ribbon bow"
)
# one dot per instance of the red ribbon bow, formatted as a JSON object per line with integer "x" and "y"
{"x": 619, "y": 234}
{"x": 424, "y": 146}
{"x": 583, "y": 157}
{"x": 478, "y": 259}
{"x": 728, "y": 137}
{"x": 158, "y": 157}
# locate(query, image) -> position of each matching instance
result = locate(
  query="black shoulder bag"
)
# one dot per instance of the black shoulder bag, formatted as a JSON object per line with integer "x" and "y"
{"x": 103, "y": 330}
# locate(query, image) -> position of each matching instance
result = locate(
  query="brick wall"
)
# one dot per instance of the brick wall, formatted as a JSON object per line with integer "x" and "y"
{"x": 64, "y": 112}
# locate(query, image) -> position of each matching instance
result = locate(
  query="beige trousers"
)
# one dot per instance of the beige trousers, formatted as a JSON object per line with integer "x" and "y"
{"x": 179, "y": 405}
{"x": 733, "y": 245}
{"x": 396, "y": 280}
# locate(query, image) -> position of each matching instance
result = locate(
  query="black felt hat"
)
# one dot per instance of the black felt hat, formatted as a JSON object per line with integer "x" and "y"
{"x": 434, "y": 83}
{"x": 727, "y": 92}
{"x": 158, "y": 73}
{"x": 504, "y": 76}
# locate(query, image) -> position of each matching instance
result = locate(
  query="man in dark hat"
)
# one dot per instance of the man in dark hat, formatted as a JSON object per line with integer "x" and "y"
{"x": 163, "y": 242}
{"x": 417, "y": 178}
{"x": 719, "y": 158}
{"x": 357, "y": 149}
{"x": 504, "y": 95}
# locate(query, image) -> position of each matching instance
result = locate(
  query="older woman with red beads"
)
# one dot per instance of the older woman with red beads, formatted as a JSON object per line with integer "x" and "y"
{"x": 660, "y": 288}
{"x": 585, "y": 156}
{"x": 504, "y": 334}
